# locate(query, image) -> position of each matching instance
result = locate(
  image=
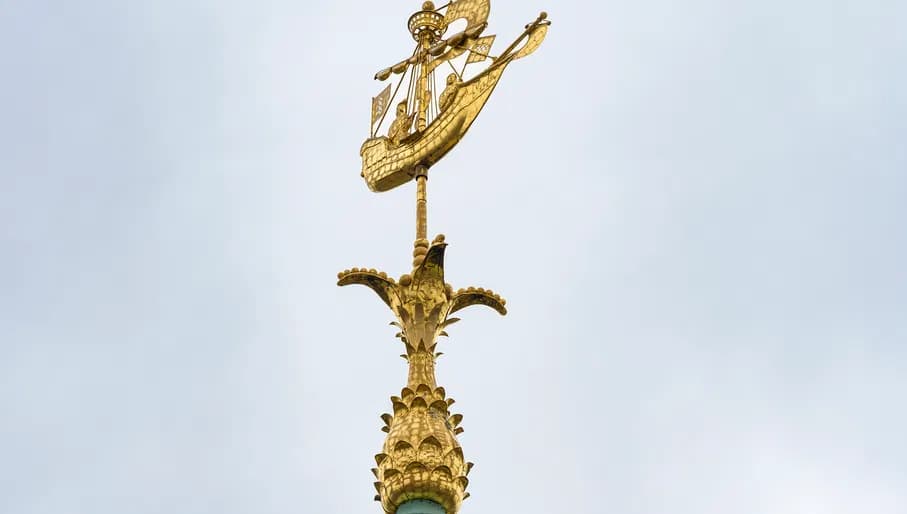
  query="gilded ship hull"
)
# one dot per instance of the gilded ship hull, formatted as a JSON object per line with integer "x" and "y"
{"x": 386, "y": 166}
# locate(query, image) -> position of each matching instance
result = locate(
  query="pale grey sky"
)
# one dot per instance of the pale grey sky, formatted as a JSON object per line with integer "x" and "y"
{"x": 695, "y": 209}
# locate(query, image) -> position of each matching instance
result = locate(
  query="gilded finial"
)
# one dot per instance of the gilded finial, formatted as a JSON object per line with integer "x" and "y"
{"x": 422, "y": 463}
{"x": 411, "y": 465}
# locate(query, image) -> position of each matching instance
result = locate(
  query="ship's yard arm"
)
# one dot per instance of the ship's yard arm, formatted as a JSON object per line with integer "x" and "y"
{"x": 532, "y": 27}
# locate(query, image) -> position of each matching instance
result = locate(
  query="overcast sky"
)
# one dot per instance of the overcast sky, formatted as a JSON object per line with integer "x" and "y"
{"x": 696, "y": 211}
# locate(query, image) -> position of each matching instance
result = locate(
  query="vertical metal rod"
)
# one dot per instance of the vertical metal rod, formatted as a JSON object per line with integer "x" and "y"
{"x": 423, "y": 93}
{"x": 421, "y": 203}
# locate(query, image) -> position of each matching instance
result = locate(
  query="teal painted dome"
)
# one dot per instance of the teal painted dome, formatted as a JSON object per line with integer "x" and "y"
{"x": 420, "y": 507}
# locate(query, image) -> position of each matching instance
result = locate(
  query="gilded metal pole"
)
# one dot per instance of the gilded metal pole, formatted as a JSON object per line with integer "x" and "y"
{"x": 421, "y": 203}
{"x": 421, "y": 244}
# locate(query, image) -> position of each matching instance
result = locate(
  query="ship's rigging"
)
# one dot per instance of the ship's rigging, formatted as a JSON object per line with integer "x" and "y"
{"x": 436, "y": 54}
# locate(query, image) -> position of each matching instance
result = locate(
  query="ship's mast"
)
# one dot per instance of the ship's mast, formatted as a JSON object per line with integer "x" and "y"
{"x": 425, "y": 40}
{"x": 427, "y": 27}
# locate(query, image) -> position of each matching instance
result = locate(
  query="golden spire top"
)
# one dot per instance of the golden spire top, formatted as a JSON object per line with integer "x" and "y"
{"x": 422, "y": 459}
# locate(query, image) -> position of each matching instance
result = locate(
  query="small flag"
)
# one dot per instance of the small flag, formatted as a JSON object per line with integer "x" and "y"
{"x": 480, "y": 49}
{"x": 379, "y": 104}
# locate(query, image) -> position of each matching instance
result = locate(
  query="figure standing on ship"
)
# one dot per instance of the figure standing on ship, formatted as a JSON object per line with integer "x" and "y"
{"x": 401, "y": 125}
{"x": 453, "y": 84}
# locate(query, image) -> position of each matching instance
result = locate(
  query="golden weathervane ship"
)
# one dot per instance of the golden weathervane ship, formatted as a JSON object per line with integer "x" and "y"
{"x": 440, "y": 120}
{"x": 421, "y": 469}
